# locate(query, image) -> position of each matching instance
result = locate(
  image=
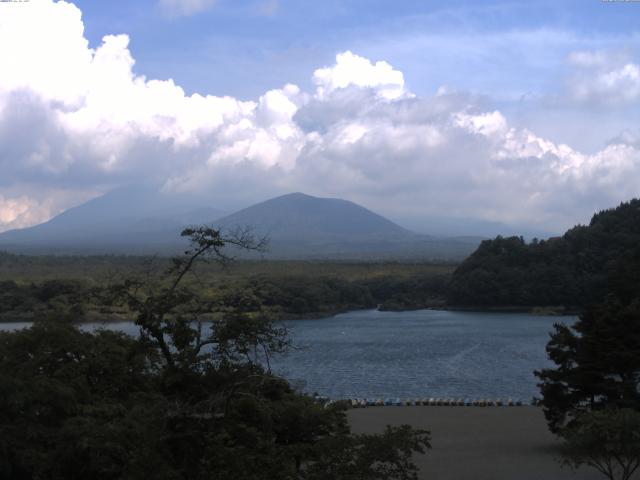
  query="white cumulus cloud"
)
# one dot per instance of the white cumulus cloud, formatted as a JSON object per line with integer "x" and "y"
{"x": 19, "y": 211}
{"x": 80, "y": 120}
{"x": 604, "y": 79}
{"x": 353, "y": 70}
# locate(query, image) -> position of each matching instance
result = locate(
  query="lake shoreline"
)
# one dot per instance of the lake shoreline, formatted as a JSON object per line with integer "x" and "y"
{"x": 550, "y": 310}
{"x": 110, "y": 318}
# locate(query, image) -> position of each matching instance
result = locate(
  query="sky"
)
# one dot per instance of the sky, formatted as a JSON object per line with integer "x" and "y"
{"x": 520, "y": 112}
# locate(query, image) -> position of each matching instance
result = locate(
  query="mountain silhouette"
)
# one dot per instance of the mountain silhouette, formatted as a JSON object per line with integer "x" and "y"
{"x": 143, "y": 220}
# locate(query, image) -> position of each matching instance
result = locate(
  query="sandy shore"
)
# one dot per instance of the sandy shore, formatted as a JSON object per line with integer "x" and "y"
{"x": 474, "y": 443}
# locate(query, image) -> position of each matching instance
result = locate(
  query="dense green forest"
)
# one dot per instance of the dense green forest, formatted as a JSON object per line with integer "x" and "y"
{"x": 571, "y": 271}
{"x": 33, "y": 287}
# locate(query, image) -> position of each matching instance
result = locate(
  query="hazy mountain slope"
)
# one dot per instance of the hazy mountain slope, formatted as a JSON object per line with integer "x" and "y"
{"x": 302, "y": 226}
{"x": 139, "y": 218}
{"x": 471, "y": 227}
{"x": 298, "y": 216}
{"x": 145, "y": 221}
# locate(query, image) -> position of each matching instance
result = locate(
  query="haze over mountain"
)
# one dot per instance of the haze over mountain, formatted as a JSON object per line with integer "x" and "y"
{"x": 460, "y": 227}
{"x": 303, "y": 226}
{"x": 144, "y": 221}
{"x": 137, "y": 219}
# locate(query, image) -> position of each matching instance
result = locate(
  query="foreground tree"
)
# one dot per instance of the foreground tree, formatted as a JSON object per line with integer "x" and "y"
{"x": 74, "y": 404}
{"x": 598, "y": 363}
{"x": 607, "y": 440}
{"x": 192, "y": 398}
{"x": 591, "y": 400}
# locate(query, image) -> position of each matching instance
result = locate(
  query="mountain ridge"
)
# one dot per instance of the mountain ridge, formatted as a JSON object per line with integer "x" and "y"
{"x": 298, "y": 225}
{"x": 329, "y": 215}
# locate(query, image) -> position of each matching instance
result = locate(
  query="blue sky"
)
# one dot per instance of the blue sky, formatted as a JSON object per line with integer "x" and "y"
{"x": 521, "y": 112}
{"x": 243, "y": 48}
{"x": 511, "y": 51}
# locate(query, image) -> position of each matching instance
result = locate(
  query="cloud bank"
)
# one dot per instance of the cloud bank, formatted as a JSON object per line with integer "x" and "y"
{"x": 76, "y": 121}
{"x": 604, "y": 79}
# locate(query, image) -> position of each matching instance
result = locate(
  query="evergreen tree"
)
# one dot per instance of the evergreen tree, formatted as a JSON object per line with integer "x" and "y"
{"x": 598, "y": 363}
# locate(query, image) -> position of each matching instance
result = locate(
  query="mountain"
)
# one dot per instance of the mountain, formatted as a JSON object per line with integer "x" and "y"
{"x": 303, "y": 226}
{"x": 574, "y": 270}
{"x": 142, "y": 220}
{"x": 297, "y": 216}
{"x": 127, "y": 220}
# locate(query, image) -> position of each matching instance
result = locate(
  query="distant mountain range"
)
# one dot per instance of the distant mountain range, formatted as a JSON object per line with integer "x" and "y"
{"x": 145, "y": 221}
{"x": 136, "y": 220}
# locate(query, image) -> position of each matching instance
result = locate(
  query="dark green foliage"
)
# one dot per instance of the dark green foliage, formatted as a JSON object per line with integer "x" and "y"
{"x": 183, "y": 401}
{"x": 70, "y": 401}
{"x": 408, "y": 293}
{"x": 607, "y": 440}
{"x": 598, "y": 363}
{"x": 302, "y": 295}
{"x": 380, "y": 457}
{"x": 573, "y": 270}
{"x": 598, "y": 358}
{"x": 592, "y": 397}
{"x": 291, "y": 296}
{"x": 59, "y": 296}
{"x": 70, "y": 285}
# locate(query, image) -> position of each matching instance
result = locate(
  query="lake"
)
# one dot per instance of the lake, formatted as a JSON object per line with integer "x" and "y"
{"x": 423, "y": 353}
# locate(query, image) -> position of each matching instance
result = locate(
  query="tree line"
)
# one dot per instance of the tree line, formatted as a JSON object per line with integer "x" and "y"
{"x": 591, "y": 397}
{"x": 573, "y": 270}
{"x": 285, "y": 296}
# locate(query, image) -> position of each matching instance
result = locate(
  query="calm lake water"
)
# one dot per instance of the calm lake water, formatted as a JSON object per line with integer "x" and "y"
{"x": 424, "y": 353}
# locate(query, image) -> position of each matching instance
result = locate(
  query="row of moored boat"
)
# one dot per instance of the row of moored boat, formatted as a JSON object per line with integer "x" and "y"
{"x": 435, "y": 402}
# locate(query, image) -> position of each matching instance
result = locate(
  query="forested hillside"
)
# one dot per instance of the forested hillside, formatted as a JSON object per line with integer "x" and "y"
{"x": 33, "y": 286}
{"x": 573, "y": 270}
